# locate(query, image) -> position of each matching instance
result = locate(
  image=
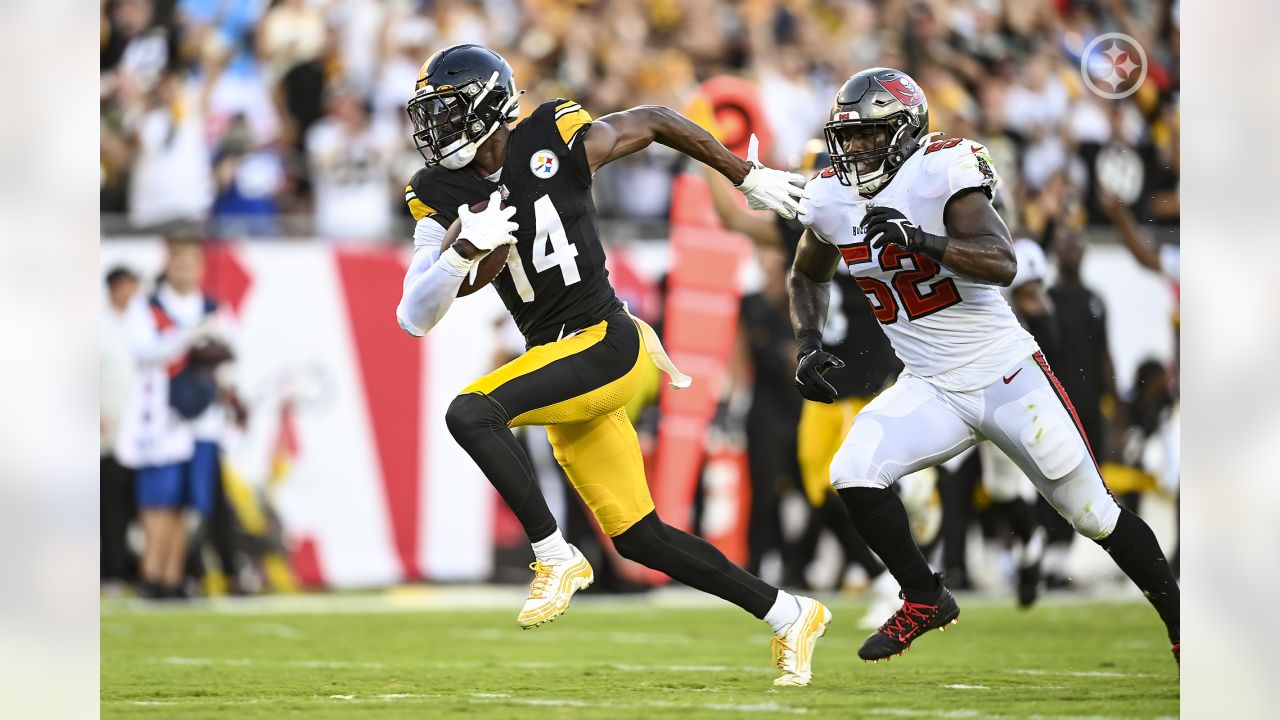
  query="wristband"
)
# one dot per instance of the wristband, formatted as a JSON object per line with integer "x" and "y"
{"x": 454, "y": 263}
{"x": 928, "y": 244}
{"x": 808, "y": 341}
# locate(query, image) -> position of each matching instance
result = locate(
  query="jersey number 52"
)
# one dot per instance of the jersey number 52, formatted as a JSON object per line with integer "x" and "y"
{"x": 919, "y": 297}
{"x": 551, "y": 249}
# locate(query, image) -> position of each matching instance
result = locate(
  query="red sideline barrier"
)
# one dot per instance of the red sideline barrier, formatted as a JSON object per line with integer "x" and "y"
{"x": 701, "y": 317}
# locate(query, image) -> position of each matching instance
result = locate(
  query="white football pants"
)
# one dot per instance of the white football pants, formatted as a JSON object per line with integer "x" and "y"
{"x": 1026, "y": 414}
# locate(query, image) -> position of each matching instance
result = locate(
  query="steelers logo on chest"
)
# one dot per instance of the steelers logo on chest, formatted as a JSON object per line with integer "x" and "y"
{"x": 544, "y": 164}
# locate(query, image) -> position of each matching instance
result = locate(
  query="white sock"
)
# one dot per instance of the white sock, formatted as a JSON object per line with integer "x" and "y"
{"x": 785, "y": 610}
{"x": 552, "y": 548}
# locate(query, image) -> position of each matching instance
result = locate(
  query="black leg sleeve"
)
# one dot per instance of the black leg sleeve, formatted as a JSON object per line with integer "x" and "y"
{"x": 882, "y": 521}
{"x": 1134, "y": 548}
{"x": 694, "y": 562}
{"x": 836, "y": 517}
{"x": 956, "y": 489}
{"x": 480, "y": 427}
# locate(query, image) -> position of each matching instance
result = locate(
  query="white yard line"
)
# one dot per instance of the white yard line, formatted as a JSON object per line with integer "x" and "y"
{"x": 625, "y": 638}
{"x": 967, "y": 713}
{"x": 1078, "y": 673}
{"x": 769, "y": 707}
{"x": 240, "y": 662}
{"x": 631, "y": 667}
{"x": 274, "y": 630}
{"x": 533, "y": 665}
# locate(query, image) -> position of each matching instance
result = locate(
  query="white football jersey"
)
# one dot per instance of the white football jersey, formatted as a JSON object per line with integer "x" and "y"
{"x": 957, "y": 333}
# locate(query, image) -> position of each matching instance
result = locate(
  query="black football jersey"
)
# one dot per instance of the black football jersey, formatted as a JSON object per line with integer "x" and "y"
{"x": 852, "y": 334}
{"x": 555, "y": 281}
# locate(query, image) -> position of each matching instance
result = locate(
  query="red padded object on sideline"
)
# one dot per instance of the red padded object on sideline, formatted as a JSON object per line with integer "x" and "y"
{"x": 701, "y": 324}
{"x": 736, "y": 104}
{"x": 691, "y": 204}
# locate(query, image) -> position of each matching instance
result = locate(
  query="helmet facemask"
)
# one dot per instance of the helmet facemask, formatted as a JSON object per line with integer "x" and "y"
{"x": 451, "y": 121}
{"x": 869, "y": 150}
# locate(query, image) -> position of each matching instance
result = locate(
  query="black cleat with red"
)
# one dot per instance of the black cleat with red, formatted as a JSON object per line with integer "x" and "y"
{"x": 1177, "y": 653}
{"x": 911, "y": 621}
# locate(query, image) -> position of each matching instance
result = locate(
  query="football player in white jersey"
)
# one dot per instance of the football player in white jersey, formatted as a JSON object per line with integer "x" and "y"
{"x": 911, "y": 216}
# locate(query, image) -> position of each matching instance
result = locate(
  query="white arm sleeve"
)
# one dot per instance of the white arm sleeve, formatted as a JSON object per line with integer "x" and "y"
{"x": 432, "y": 281}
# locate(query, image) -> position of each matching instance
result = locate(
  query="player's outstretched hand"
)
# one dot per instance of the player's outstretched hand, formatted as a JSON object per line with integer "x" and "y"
{"x": 809, "y": 376}
{"x": 489, "y": 228}
{"x": 769, "y": 189}
{"x": 886, "y": 225}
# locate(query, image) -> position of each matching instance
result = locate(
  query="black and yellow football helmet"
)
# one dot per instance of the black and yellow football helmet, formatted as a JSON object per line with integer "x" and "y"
{"x": 463, "y": 94}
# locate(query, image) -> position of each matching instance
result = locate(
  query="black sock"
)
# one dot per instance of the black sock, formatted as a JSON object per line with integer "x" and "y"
{"x": 855, "y": 547}
{"x": 882, "y": 521}
{"x": 694, "y": 562}
{"x": 1134, "y": 548}
{"x": 480, "y": 427}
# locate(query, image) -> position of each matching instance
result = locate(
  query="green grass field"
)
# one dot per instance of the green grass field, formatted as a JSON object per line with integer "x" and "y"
{"x": 626, "y": 660}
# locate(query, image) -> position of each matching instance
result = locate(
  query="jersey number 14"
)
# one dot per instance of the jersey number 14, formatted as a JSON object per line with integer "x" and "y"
{"x": 551, "y": 249}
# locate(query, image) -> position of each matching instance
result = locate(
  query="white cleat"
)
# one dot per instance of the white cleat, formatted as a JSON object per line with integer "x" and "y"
{"x": 793, "y": 649}
{"x": 883, "y": 596}
{"x": 554, "y": 583}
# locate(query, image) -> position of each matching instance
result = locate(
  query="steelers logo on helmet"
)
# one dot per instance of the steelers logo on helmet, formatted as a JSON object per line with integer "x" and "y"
{"x": 544, "y": 164}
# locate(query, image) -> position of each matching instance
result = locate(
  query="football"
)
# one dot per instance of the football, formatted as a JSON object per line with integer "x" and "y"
{"x": 489, "y": 266}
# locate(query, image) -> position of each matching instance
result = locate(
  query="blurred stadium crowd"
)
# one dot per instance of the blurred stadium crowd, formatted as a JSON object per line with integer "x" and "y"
{"x": 285, "y": 119}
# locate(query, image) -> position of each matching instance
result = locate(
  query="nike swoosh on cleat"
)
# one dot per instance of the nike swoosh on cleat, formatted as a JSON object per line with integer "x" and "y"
{"x": 1009, "y": 379}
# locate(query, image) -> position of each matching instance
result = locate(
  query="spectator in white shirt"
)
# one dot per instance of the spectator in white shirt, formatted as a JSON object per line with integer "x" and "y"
{"x": 171, "y": 180}
{"x": 351, "y": 163}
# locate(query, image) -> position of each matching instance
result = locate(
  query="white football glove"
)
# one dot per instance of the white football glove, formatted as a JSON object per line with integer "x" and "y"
{"x": 769, "y": 189}
{"x": 489, "y": 228}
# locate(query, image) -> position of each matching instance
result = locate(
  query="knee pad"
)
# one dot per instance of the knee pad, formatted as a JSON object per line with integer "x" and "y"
{"x": 1047, "y": 434}
{"x": 642, "y": 539}
{"x": 472, "y": 412}
{"x": 1096, "y": 520}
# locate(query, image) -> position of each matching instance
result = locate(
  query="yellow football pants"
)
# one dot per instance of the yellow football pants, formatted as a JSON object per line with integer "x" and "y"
{"x": 579, "y": 388}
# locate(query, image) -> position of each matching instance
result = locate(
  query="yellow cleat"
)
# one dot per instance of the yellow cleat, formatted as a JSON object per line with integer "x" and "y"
{"x": 793, "y": 650}
{"x": 554, "y": 583}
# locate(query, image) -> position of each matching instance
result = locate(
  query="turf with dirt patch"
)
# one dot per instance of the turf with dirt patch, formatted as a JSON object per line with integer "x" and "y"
{"x": 1070, "y": 660}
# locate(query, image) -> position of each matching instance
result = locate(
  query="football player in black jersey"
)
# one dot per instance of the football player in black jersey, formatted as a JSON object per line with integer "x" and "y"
{"x": 585, "y": 354}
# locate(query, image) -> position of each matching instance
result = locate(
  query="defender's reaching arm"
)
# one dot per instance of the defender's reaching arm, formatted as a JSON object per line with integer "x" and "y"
{"x": 619, "y": 134}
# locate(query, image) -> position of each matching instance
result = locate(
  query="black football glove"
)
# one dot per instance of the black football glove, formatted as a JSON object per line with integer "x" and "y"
{"x": 885, "y": 225}
{"x": 809, "y": 375}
